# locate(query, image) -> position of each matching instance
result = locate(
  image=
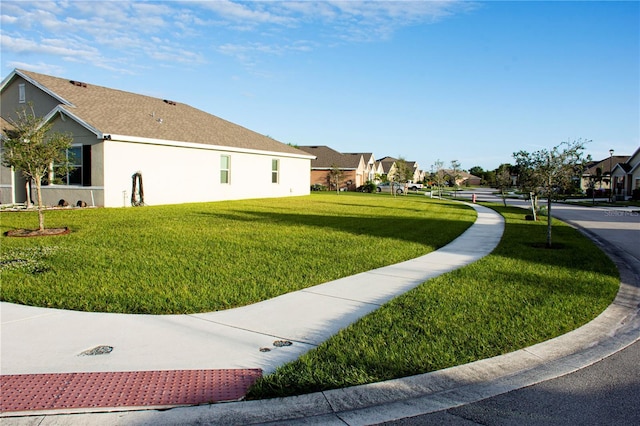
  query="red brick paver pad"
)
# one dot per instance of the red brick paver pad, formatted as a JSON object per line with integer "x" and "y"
{"x": 38, "y": 392}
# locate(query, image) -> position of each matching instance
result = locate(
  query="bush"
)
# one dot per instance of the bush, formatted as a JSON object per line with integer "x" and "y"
{"x": 367, "y": 187}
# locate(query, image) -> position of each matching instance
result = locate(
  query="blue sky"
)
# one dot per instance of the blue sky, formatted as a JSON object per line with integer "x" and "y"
{"x": 422, "y": 80}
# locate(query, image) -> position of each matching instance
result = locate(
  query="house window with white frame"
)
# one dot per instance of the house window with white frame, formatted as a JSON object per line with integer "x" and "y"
{"x": 275, "y": 171}
{"x": 225, "y": 168}
{"x": 22, "y": 94}
{"x": 71, "y": 175}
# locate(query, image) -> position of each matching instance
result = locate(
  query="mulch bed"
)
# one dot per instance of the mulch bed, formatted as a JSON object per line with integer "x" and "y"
{"x": 37, "y": 232}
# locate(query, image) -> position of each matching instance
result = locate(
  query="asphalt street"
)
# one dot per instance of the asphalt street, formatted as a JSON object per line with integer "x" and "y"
{"x": 605, "y": 393}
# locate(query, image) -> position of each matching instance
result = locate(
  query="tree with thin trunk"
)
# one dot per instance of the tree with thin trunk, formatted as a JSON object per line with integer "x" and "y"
{"x": 32, "y": 148}
{"x": 437, "y": 172}
{"x": 335, "y": 177}
{"x": 402, "y": 174}
{"x": 455, "y": 175}
{"x": 503, "y": 181}
{"x": 548, "y": 173}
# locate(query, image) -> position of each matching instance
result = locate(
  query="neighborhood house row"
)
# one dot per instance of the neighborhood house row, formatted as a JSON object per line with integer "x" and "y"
{"x": 185, "y": 155}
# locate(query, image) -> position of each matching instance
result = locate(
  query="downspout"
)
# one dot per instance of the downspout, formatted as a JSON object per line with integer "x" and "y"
{"x": 13, "y": 185}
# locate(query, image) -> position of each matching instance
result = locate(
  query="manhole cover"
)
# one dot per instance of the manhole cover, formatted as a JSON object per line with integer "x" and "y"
{"x": 265, "y": 350}
{"x": 98, "y": 350}
{"x": 281, "y": 343}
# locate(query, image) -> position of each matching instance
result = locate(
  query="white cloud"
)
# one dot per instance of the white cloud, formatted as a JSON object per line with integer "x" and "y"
{"x": 56, "y": 47}
{"x": 40, "y": 67}
{"x": 8, "y": 20}
{"x": 249, "y": 13}
{"x": 172, "y": 32}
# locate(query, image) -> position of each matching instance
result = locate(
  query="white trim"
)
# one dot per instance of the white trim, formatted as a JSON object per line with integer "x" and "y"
{"x": 149, "y": 141}
{"x": 74, "y": 187}
{"x": 60, "y": 109}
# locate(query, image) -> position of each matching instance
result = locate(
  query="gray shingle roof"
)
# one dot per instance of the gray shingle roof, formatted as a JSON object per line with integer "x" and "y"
{"x": 117, "y": 112}
{"x": 327, "y": 158}
{"x": 604, "y": 164}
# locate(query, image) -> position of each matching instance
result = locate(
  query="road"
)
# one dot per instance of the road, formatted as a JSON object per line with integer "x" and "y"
{"x": 605, "y": 393}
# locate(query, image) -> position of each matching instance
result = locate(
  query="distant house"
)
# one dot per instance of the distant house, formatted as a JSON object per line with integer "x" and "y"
{"x": 626, "y": 178}
{"x": 387, "y": 167}
{"x": 461, "y": 178}
{"x": 369, "y": 173}
{"x": 597, "y": 173}
{"x": 183, "y": 154}
{"x": 353, "y": 167}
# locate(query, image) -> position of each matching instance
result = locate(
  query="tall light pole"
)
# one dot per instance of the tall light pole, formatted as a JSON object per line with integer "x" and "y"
{"x": 610, "y": 175}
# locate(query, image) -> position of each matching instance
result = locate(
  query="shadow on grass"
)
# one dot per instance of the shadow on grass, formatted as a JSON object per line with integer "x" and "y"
{"x": 433, "y": 232}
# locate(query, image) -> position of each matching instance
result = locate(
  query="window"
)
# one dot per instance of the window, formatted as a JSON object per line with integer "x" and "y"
{"x": 72, "y": 176}
{"x": 275, "y": 166}
{"x": 225, "y": 163}
{"x": 22, "y": 95}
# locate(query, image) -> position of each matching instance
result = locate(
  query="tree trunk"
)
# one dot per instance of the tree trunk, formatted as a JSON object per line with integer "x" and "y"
{"x": 533, "y": 206}
{"x": 40, "y": 212}
{"x": 27, "y": 190}
{"x": 549, "y": 221}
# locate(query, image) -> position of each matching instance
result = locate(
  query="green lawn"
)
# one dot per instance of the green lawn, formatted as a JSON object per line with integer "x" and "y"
{"x": 519, "y": 295}
{"x": 213, "y": 256}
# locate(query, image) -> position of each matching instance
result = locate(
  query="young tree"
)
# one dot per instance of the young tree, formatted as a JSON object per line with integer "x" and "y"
{"x": 32, "y": 148}
{"x": 503, "y": 181}
{"x": 335, "y": 177}
{"x": 549, "y": 172}
{"x": 402, "y": 173}
{"x": 455, "y": 175}
{"x": 437, "y": 173}
{"x": 592, "y": 183}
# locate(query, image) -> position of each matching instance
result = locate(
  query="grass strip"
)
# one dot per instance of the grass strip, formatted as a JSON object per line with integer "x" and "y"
{"x": 213, "y": 256}
{"x": 519, "y": 295}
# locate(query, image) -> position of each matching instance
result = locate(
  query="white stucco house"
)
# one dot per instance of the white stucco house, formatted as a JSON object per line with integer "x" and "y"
{"x": 183, "y": 154}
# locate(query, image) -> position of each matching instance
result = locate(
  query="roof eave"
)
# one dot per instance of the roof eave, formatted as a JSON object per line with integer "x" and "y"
{"x": 163, "y": 142}
{"x": 63, "y": 111}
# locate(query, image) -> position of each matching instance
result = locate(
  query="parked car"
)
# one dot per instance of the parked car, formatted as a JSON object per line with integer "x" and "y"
{"x": 398, "y": 188}
{"x": 414, "y": 186}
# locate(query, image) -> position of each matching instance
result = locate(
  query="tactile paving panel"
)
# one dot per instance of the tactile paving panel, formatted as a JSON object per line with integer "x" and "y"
{"x": 38, "y": 392}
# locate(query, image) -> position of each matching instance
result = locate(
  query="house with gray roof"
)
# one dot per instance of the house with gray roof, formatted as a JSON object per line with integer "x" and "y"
{"x": 181, "y": 153}
{"x": 352, "y": 166}
{"x": 597, "y": 174}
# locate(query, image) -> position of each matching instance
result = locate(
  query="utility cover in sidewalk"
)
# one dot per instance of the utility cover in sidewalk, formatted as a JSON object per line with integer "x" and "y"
{"x": 98, "y": 350}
